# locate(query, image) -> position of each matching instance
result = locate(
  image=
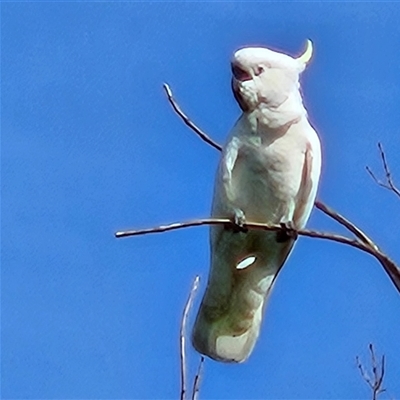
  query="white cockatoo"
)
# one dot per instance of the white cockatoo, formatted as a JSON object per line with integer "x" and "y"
{"x": 268, "y": 173}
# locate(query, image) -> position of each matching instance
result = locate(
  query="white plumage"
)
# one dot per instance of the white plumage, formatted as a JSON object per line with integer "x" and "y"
{"x": 268, "y": 172}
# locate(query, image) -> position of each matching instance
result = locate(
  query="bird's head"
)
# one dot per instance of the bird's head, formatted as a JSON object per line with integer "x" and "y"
{"x": 261, "y": 75}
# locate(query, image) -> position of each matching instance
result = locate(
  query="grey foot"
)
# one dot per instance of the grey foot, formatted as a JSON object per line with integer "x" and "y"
{"x": 288, "y": 232}
{"x": 239, "y": 220}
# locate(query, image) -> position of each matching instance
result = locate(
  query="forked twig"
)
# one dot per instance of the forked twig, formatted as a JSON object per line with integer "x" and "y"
{"x": 375, "y": 383}
{"x": 363, "y": 242}
{"x": 389, "y": 184}
{"x": 247, "y": 225}
{"x": 390, "y": 267}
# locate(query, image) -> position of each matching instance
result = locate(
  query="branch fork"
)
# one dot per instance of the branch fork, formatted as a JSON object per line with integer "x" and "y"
{"x": 361, "y": 240}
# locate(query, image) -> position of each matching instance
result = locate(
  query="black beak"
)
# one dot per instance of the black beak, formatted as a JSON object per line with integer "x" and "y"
{"x": 240, "y": 74}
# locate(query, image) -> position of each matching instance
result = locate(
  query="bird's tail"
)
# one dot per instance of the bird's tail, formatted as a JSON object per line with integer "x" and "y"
{"x": 229, "y": 319}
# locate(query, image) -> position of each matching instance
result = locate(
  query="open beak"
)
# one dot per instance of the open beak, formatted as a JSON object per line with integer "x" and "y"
{"x": 240, "y": 74}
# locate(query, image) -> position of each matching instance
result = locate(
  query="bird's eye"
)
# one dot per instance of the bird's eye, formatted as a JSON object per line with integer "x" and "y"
{"x": 259, "y": 70}
{"x": 240, "y": 74}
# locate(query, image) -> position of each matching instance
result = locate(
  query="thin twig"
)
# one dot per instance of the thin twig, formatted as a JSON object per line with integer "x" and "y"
{"x": 187, "y": 120}
{"x": 196, "y": 222}
{"x": 390, "y": 267}
{"x": 378, "y": 373}
{"x": 389, "y": 184}
{"x": 346, "y": 223}
{"x": 182, "y": 335}
{"x": 363, "y": 372}
{"x": 197, "y": 379}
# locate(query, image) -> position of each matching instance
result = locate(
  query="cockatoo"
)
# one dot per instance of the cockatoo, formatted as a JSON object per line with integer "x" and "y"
{"x": 268, "y": 173}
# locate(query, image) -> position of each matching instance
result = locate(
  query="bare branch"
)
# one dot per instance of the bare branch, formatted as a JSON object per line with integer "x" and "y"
{"x": 364, "y": 243}
{"x": 389, "y": 184}
{"x": 390, "y": 267}
{"x": 197, "y": 380}
{"x": 187, "y": 120}
{"x": 247, "y": 225}
{"x": 183, "y": 337}
{"x": 378, "y": 372}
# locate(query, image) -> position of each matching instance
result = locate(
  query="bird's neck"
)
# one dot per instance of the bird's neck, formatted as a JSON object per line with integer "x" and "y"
{"x": 270, "y": 119}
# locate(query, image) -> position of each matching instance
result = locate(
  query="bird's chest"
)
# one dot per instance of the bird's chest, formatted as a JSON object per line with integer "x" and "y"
{"x": 267, "y": 176}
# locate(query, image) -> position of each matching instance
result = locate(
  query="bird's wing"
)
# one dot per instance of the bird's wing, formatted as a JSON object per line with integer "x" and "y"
{"x": 309, "y": 184}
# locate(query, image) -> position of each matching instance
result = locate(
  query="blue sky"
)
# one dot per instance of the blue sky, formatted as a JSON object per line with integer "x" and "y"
{"x": 90, "y": 146}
